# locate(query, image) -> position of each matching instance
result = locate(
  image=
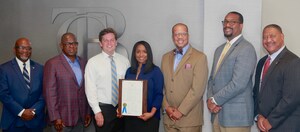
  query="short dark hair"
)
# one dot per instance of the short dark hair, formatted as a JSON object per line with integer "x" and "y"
{"x": 106, "y": 31}
{"x": 274, "y": 26}
{"x": 241, "y": 18}
{"x": 149, "y": 63}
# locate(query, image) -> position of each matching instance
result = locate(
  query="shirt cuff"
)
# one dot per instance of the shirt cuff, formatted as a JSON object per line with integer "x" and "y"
{"x": 20, "y": 114}
{"x": 213, "y": 100}
{"x": 255, "y": 118}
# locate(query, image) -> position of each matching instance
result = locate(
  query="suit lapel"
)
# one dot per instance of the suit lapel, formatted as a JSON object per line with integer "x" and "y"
{"x": 273, "y": 65}
{"x": 184, "y": 59}
{"x": 231, "y": 49}
{"x": 171, "y": 62}
{"x": 33, "y": 74}
{"x": 68, "y": 67}
{"x": 82, "y": 65}
{"x": 19, "y": 73}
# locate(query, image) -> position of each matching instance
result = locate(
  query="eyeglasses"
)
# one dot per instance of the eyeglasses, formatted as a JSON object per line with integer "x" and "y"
{"x": 184, "y": 34}
{"x": 70, "y": 43}
{"x": 23, "y": 48}
{"x": 230, "y": 22}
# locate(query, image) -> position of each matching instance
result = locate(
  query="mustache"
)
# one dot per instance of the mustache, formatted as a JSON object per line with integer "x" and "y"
{"x": 227, "y": 27}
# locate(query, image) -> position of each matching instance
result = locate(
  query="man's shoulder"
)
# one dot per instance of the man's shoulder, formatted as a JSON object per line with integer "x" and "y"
{"x": 7, "y": 65}
{"x": 35, "y": 64}
{"x": 54, "y": 59}
{"x": 197, "y": 52}
{"x": 171, "y": 52}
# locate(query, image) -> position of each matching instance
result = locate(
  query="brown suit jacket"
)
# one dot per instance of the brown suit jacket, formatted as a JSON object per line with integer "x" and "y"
{"x": 184, "y": 88}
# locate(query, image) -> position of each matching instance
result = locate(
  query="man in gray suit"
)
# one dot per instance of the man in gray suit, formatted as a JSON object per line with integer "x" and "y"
{"x": 277, "y": 82}
{"x": 230, "y": 83}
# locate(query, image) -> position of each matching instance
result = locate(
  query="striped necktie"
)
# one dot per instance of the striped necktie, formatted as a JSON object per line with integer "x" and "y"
{"x": 26, "y": 76}
{"x": 114, "y": 84}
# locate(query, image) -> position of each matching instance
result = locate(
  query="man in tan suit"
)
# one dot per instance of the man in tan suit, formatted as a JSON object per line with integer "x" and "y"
{"x": 185, "y": 75}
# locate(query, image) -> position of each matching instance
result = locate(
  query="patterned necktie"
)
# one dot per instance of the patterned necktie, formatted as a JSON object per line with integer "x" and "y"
{"x": 266, "y": 67}
{"x": 226, "y": 48}
{"x": 115, "y": 90}
{"x": 26, "y": 76}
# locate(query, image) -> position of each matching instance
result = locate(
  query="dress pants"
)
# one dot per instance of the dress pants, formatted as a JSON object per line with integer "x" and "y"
{"x": 218, "y": 128}
{"x": 135, "y": 124}
{"x": 111, "y": 122}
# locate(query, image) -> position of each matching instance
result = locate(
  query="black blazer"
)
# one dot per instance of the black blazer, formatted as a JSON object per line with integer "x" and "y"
{"x": 279, "y": 96}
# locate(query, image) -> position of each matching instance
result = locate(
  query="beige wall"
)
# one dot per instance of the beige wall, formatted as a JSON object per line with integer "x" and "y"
{"x": 285, "y": 14}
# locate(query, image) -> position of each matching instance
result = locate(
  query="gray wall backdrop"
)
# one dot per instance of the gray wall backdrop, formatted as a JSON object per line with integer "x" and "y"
{"x": 144, "y": 20}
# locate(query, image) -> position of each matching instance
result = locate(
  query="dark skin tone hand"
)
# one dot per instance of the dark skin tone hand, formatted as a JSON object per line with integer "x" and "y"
{"x": 59, "y": 125}
{"x": 87, "y": 120}
{"x": 28, "y": 114}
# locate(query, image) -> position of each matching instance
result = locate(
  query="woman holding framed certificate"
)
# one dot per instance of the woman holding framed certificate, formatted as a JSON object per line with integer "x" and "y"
{"x": 142, "y": 68}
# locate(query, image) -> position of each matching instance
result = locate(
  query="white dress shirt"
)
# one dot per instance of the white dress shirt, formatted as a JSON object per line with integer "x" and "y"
{"x": 98, "y": 78}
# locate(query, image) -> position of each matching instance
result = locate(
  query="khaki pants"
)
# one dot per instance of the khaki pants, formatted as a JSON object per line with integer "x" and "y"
{"x": 169, "y": 128}
{"x": 218, "y": 128}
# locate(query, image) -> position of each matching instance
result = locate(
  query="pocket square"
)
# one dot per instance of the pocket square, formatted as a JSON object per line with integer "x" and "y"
{"x": 188, "y": 66}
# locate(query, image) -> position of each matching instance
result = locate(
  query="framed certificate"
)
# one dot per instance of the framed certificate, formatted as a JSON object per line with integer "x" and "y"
{"x": 132, "y": 97}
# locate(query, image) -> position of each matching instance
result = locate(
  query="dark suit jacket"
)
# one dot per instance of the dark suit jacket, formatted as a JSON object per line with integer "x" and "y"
{"x": 278, "y": 98}
{"x": 65, "y": 99}
{"x": 15, "y": 95}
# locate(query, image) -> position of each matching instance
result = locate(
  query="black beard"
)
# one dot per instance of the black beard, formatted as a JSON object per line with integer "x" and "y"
{"x": 227, "y": 35}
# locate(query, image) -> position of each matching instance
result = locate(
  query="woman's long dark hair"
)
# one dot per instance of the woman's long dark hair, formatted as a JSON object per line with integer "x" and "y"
{"x": 149, "y": 63}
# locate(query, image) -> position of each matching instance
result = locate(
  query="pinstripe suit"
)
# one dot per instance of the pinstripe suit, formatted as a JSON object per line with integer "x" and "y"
{"x": 65, "y": 99}
{"x": 278, "y": 99}
{"x": 232, "y": 85}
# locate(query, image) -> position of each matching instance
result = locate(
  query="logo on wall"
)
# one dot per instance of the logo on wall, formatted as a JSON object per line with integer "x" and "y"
{"x": 86, "y": 23}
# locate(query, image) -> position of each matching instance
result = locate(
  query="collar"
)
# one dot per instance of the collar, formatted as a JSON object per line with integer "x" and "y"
{"x": 69, "y": 60}
{"x": 275, "y": 54}
{"x": 182, "y": 51}
{"x": 234, "y": 39}
{"x": 20, "y": 63}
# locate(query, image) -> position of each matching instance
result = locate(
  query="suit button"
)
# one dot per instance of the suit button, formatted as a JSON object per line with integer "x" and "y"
{"x": 171, "y": 91}
{"x": 172, "y": 80}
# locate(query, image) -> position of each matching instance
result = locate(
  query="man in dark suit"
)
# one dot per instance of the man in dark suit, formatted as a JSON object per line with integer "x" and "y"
{"x": 277, "y": 81}
{"x": 64, "y": 92}
{"x": 21, "y": 91}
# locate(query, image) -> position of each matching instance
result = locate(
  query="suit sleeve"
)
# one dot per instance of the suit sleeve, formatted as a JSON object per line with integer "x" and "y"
{"x": 290, "y": 95}
{"x": 158, "y": 88}
{"x": 198, "y": 87}
{"x": 242, "y": 72}
{"x": 5, "y": 95}
{"x": 50, "y": 91}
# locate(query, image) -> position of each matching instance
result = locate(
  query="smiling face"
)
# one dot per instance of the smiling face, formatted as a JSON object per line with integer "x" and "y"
{"x": 141, "y": 54}
{"x": 108, "y": 43}
{"x": 232, "y": 27}
{"x": 69, "y": 45}
{"x": 180, "y": 35}
{"x": 273, "y": 39}
{"x": 22, "y": 49}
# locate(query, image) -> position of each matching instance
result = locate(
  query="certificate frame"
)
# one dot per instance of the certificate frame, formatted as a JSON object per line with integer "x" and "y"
{"x": 137, "y": 89}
